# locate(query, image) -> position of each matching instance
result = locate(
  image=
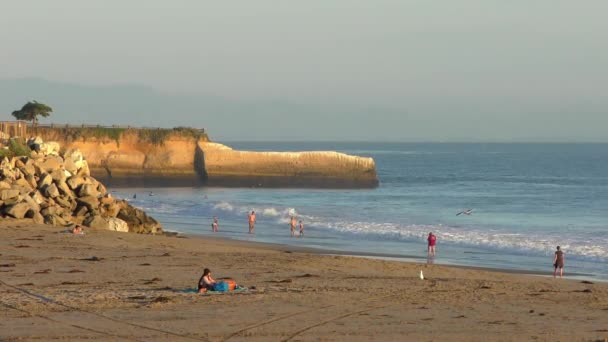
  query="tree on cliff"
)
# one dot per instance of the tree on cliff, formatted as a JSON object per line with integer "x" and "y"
{"x": 30, "y": 112}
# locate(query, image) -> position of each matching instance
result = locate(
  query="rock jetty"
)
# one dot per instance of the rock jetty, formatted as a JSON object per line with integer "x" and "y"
{"x": 57, "y": 189}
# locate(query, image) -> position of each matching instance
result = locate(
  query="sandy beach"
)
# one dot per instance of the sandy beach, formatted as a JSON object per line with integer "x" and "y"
{"x": 120, "y": 286}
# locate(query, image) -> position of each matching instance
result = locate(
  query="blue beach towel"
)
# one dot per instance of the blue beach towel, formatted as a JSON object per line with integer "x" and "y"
{"x": 221, "y": 287}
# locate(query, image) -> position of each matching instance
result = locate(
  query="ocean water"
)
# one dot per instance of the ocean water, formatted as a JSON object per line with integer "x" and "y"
{"x": 527, "y": 199}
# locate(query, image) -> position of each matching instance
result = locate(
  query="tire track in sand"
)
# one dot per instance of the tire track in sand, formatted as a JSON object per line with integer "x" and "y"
{"x": 314, "y": 310}
{"x": 47, "y": 300}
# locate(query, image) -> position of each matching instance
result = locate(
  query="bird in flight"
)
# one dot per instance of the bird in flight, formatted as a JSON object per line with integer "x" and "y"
{"x": 465, "y": 212}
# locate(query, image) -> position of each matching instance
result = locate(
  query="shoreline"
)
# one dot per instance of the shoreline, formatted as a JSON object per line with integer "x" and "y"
{"x": 382, "y": 256}
{"x": 252, "y": 182}
{"x": 122, "y": 286}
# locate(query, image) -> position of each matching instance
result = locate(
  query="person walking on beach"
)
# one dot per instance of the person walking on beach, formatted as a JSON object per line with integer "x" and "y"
{"x": 301, "y": 228}
{"x": 292, "y": 225}
{"x": 252, "y": 221}
{"x": 215, "y": 225}
{"x": 558, "y": 262}
{"x": 432, "y": 239}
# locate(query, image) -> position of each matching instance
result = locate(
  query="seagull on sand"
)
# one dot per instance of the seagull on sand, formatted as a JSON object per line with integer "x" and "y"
{"x": 465, "y": 212}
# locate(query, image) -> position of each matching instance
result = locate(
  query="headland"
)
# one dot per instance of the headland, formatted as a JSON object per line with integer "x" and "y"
{"x": 187, "y": 157}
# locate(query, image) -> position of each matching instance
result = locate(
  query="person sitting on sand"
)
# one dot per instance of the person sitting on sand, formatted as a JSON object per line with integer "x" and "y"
{"x": 215, "y": 225}
{"x": 301, "y": 228}
{"x": 77, "y": 230}
{"x": 206, "y": 282}
{"x": 558, "y": 262}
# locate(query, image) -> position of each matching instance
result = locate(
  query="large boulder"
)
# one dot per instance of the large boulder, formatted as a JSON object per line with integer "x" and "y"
{"x": 81, "y": 211}
{"x": 51, "y": 191}
{"x": 7, "y": 174}
{"x": 37, "y": 196}
{"x": 55, "y": 220}
{"x": 22, "y": 182}
{"x": 66, "y": 203}
{"x": 88, "y": 190}
{"x": 49, "y": 148}
{"x": 90, "y": 202}
{"x": 111, "y": 210}
{"x": 8, "y": 194}
{"x": 31, "y": 180}
{"x": 64, "y": 189}
{"x": 51, "y": 210}
{"x": 84, "y": 170}
{"x": 38, "y": 218}
{"x": 102, "y": 189}
{"x": 138, "y": 220}
{"x": 59, "y": 175}
{"x": 31, "y": 202}
{"x": 5, "y": 185}
{"x": 107, "y": 223}
{"x": 45, "y": 180}
{"x": 107, "y": 199}
{"x": 18, "y": 210}
{"x": 75, "y": 181}
{"x": 48, "y": 165}
{"x": 26, "y": 166}
{"x": 74, "y": 160}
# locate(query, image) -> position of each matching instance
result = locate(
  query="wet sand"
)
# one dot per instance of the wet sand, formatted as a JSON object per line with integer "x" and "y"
{"x": 119, "y": 286}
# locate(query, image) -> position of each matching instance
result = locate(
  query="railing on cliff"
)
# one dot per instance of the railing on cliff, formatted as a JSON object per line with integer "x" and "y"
{"x": 14, "y": 128}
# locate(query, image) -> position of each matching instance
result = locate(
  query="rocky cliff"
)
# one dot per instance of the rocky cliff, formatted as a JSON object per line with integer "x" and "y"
{"x": 227, "y": 167}
{"x": 179, "y": 159}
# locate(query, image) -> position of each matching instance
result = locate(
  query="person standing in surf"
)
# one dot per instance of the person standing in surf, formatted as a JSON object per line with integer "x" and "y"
{"x": 215, "y": 225}
{"x": 252, "y": 221}
{"x": 301, "y": 228}
{"x": 292, "y": 225}
{"x": 432, "y": 241}
{"x": 558, "y": 262}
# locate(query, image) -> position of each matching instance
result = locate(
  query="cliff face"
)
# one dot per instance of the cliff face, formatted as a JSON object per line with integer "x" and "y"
{"x": 186, "y": 161}
{"x": 133, "y": 163}
{"x": 227, "y": 167}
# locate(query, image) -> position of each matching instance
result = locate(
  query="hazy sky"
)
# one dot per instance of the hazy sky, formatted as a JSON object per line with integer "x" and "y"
{"x": 333, "y": 70}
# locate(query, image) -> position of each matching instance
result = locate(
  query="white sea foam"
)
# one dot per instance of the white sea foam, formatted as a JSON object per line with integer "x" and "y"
{"x": 280, "y": 213}
{"x": 513, "y": 242}
{"x": 225, "y": 206}
{"x": 530, "y": 242}
{"x": 270, "y": 212}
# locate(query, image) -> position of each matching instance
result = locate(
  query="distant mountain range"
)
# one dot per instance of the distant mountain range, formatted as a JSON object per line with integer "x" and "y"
{"x": 119, "y": 104}
{"x": 143, "y": 106}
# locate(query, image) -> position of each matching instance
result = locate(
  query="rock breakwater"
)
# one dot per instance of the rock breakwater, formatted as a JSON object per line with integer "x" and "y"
{"x": 57, "y": 189}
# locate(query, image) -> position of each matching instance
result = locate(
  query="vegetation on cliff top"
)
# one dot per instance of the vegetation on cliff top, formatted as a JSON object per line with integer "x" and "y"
{"x": 155, "y": 136}
{"x": 16, "y": 147}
